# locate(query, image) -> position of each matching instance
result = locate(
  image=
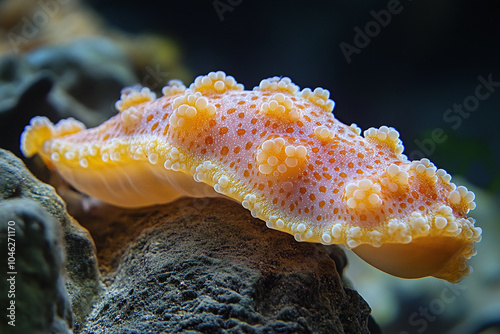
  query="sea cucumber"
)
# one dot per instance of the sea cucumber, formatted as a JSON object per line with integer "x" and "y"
{"x": 283, "y": 155}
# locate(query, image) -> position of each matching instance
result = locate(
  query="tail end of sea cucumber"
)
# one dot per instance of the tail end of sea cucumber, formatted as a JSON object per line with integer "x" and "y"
{"x": 35, "y": 134}
{"x": 42, "y": 129}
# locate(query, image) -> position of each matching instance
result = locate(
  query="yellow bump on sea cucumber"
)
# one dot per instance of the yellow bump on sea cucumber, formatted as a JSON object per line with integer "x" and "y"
{"x": 174, "y": 87}
{"x": 319, "y": 97}
{"x": 386, "y": 135}
{"x": 282, "y": 154}
{"x": 189, "y": 108}
{"x": 282, "y": 106}
{"x": 216, "y": 82}
{"x": 41, "y": 129}
{"x": 356, "y": 128}
{"x": 323, "y": 132}
{"x": 362, "y": 194}
{"x": 133, "y": 96}
{"x": 462, "y": 196}
{"x": 277, "y": 84}
{"x": 395, "y": 178}
{"x": 275, "y": 158}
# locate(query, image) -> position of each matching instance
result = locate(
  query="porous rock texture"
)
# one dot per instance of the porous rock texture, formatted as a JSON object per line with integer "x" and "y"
{"x": 83, "y": 281}
{"x": 207, "y": 266}
{"x": 34, "y": 284}
{"x": 192, "y": 266}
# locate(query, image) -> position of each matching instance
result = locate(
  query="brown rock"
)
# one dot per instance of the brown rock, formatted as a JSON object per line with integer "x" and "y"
{"x": 205, "y": 265}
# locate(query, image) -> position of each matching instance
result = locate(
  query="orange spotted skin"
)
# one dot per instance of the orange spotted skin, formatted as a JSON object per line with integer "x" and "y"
{"x": 279, "y": 152}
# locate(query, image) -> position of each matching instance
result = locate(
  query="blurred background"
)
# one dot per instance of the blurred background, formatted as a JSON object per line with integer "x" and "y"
{"x": 430, "y": 69}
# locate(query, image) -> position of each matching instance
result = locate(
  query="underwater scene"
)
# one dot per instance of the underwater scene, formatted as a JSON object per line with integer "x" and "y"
{"x": 229, "y": 166}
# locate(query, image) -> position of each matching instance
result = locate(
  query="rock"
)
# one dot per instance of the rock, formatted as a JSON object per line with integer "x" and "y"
{"x": 33, "y": 284}
{"x": 81, "y": 79}
{"x": 154, "y": 58}
{"x": 72, "y": 65}
{"x": 83, "y": 283}
{"x": 195, "y": 265}
{"x": 205, "y": 265}
{"x": 29, "y": 24}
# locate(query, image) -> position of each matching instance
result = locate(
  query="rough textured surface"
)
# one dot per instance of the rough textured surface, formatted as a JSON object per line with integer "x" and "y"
{"x": 195, "y": 265}
{"x": 41, "y": 303}
{"x": 80, "y": 79}
{"x": 200, "y": 265}
{"x": 81, "y": 265}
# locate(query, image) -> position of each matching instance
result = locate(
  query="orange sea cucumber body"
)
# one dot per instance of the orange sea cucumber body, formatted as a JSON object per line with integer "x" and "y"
{"x": 283, "y": 155}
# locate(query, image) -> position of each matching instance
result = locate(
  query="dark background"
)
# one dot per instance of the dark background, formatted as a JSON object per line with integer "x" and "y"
{"x": 426, "y": 59}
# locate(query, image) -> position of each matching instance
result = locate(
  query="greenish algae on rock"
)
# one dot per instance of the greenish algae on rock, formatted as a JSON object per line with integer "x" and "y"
{"x": 33, "y": 291}
{"x": 83, "y": 280}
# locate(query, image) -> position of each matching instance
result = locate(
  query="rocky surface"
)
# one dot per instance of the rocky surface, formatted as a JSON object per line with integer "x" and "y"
{"x": 200, "y": 265}
{"x": 81, "y": 79}
{"x": 33, "y": 290}
{"x": 192, "y": 266}
{"x": 83, "y": 280}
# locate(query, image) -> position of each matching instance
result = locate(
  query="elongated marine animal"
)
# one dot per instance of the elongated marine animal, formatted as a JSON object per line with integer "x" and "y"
{"x": 283, "y": 155}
